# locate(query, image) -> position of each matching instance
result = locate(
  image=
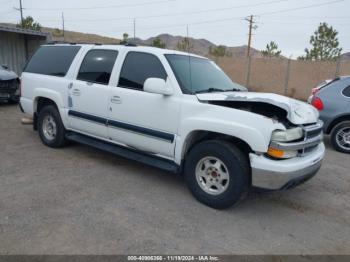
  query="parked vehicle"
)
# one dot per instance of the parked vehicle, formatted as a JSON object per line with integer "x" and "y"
{"x": 176, "y": 111}
{"x": 333, "y": 103}
{"x": 318, "y": 88}
{"x": 9, "y": 85}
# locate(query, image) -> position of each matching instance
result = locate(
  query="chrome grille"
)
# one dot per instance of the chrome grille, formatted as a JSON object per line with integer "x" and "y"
{"x": 312, "y": 132}
{"x": 8, "y": 85}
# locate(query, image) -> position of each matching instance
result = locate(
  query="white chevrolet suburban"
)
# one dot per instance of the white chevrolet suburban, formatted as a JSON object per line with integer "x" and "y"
{"x": 173, "y": 110}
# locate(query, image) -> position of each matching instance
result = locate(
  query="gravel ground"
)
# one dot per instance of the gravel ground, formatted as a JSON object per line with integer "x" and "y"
{"x": 79, "y": 200}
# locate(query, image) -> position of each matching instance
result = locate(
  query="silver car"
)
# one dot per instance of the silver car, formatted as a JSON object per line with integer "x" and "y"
{"x": 333, "y": 102}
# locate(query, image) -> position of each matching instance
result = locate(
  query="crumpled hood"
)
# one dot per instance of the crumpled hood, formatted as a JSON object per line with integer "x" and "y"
{"x": 7, "y": 75}
{"x": 297, "y": 112}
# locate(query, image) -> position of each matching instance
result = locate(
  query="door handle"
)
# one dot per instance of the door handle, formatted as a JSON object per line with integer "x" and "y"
{"x": 76, "y": 92}
{"x": 116, "y": 100}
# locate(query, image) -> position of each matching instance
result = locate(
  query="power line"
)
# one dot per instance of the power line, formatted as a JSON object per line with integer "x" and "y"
{"x": 103, "y": 7}
{"x": 8, "y": 12}
{"x": 184, "y": 13}
{"x": 300, "y": 8}
{"x": 240, "y": 18}
{"x": 5, "y": 2}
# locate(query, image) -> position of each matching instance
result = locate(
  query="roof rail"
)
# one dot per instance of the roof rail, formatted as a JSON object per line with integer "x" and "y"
{"x": 126, "y": 43}
{"x": 71, "y": 43}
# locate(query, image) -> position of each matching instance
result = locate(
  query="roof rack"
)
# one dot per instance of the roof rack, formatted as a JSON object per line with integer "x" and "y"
{"x": 71, "y": 43}
{"x": 125, "y": 43}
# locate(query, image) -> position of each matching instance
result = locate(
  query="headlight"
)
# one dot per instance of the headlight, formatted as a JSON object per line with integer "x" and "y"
{"x": 287, "y": 135}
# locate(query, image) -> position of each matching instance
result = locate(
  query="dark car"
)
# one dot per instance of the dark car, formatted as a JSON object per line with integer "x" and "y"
{"x": 9, "y": 85}
{"x": 333, "y": 102}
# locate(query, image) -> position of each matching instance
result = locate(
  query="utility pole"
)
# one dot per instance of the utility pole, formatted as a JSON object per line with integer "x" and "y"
{"x": 63, "y": 30}
{"x": 251, "y": 21}
{"x": 134, "y": 29}
{"x": 20, "y": 9}
{"x": 188, "y": 40}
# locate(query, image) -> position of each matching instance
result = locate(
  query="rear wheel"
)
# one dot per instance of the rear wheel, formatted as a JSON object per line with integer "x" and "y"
{"x": 217, "y": 173}
{"x": 50, "y": 127}
{"x": 340, "y": 137}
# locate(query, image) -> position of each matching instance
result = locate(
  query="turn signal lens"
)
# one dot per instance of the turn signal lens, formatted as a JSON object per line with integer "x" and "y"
{"x": 276, "y": 153}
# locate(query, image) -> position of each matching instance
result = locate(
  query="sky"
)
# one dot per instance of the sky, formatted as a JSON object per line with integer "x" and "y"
{"x": 289, "y": 23}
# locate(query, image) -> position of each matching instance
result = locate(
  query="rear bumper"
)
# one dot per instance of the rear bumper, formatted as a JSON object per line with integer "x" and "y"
{"x": 283, "y": 174}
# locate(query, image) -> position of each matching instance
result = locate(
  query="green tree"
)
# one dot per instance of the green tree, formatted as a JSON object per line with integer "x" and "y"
{"x": 125, "y": 37}
{"x": 325, "y": 44}
{"x": 271, "y": 50}
{"x": 219, "y": 51}
{"x": 29, "y": 23}
{"x": 157, "y": 42}
{"x": 57, "y": 32}
{"x": 184, "y": 45}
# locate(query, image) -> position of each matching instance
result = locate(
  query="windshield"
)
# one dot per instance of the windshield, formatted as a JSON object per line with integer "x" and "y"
{"x": 200, "y": 75}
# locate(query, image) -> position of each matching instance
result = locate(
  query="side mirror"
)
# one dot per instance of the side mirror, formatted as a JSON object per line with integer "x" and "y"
{"x": 157, "y": 86}
{"x": 5, "y": 66}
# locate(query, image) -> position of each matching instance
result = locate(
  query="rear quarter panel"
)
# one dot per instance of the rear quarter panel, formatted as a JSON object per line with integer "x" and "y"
{"x": 335, "y": 103}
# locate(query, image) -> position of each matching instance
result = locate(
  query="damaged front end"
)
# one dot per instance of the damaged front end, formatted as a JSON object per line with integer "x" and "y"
{"x": 294, "y": 153}
{"x": 303, "y": 130}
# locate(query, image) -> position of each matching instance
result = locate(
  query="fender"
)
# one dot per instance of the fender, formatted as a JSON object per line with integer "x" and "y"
{"x": 55, "y": 97}
{"x": 257, "y": 138}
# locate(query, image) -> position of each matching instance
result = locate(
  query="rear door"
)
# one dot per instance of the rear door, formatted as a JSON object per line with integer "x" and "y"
{"x": 89, "y": 93}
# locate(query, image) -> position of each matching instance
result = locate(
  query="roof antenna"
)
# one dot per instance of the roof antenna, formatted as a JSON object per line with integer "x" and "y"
{"x": 189, "y": 57}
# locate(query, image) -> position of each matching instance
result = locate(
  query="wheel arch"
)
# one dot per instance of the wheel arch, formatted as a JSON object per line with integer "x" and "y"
{"x": 198, "y": 136}
{"x": 40, "y": 101}
{"x": 336, "y": 121}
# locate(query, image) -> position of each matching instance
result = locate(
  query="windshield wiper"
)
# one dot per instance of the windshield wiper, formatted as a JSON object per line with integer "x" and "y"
{"x": 233, "y": 89}
{"x": 210, "y": 90}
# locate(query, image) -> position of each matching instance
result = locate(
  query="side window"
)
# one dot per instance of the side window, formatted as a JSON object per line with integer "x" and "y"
{"x": 52, "y": 60}
{"x": 138, "y": 67}
{"x": 346, "y": 91}
{"x": 97, "y": 66}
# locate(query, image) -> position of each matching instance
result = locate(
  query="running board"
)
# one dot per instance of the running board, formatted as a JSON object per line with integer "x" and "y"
{"x": 141, "y": 157}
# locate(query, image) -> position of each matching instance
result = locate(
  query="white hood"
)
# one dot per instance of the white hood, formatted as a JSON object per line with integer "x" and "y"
{"x": 297, "y": 112}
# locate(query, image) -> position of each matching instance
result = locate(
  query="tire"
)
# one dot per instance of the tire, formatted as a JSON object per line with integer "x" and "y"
{"x": 229, "y": 161}
{"x": 341, "y": 141}
{"x": 54, "y": 137}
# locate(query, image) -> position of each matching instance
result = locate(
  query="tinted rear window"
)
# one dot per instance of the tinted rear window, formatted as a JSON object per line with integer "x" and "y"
{"x": 52, "y": 60}
{"x": 346, "y": 91}
{"x": 97, "y": 66}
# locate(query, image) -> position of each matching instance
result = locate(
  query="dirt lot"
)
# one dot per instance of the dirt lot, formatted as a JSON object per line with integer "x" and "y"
{"x": 79, "y": 200}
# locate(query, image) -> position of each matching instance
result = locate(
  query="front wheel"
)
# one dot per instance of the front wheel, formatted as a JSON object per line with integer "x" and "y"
{"x": 217, "y": 173}
{"x": 50, "y": 127}
{"x": 340, "y": 137}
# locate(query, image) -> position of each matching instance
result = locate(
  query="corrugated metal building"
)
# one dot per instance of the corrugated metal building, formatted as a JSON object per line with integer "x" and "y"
{"x": 17, "y": 45}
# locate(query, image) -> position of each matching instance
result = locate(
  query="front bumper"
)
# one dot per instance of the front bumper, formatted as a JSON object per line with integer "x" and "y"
{"x": 283, "y": 174}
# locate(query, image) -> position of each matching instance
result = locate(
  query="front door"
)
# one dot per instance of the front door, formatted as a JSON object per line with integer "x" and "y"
{"x": 89, "y": 94}
{"x": 141, "y": 120}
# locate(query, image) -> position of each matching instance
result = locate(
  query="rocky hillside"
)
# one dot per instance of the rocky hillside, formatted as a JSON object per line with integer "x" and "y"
{"x": 198, "y": 46}
{"x": 345, "y": 56}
